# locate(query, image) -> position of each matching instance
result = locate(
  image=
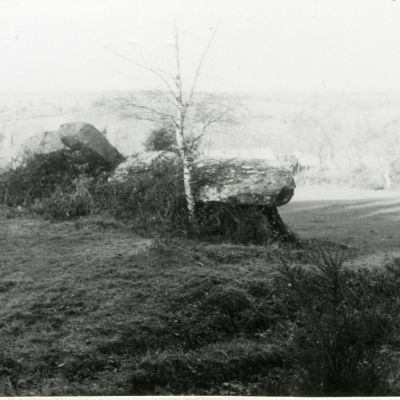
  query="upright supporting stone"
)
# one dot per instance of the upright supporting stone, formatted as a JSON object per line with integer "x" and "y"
{"x": 278, "y": 226}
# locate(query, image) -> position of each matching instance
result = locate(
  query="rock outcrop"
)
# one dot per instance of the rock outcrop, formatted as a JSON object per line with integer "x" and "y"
{"x": 74, "y": 136}
{"x": 80, "y": 135}
{"x": 43, "y": 143}
{"x": 142, "y": 161}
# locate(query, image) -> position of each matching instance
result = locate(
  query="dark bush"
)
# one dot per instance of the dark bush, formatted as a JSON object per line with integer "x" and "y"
{"x": 41, "y": 174}
{"x": 151, "y": 198}
{"x": 322, "y": 328}
{"x": 68, "y": 184}
{"x": 342, "y": 323}
{"x": 162, "y": 139}
{"x": 63, "y": 205}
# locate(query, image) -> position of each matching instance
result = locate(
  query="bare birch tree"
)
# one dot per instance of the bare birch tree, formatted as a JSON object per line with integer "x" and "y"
{"x": 182, "y": 107}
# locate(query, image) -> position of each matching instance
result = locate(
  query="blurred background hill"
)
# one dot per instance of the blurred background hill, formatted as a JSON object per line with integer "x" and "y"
{"x": 339, "y": 134}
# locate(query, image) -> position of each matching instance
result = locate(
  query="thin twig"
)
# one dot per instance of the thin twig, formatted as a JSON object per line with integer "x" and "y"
{"x": 128, "y": 104}
{"x": 200, "y": 64}
{"x": 152, "y": 70}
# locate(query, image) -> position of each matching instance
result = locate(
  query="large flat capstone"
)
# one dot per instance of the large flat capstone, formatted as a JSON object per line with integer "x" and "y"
{"x": 233, "y": 181}
{"x": 241, "y": 181}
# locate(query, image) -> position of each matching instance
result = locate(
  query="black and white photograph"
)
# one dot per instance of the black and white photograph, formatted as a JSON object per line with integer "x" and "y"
{"x": 200, "y": 198}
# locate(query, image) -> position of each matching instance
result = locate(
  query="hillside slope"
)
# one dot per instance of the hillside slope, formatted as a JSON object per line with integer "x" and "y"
{"x": 326, "y": 125}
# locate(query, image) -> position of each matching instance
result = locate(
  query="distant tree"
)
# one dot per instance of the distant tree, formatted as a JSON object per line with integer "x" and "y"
{"x": 386, "y": 146}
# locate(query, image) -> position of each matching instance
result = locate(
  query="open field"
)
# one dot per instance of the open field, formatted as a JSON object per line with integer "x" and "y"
{"x": 367, "y": 220}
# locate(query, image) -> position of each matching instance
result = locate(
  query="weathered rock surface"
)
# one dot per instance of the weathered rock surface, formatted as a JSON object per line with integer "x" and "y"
{"x": 247, "y": 182}
{"x": 75, "y": 136}
{"x": 232, "y": 181}
{"x": 80, "y": 135}
{"x": 140, "y": 160}
{"x": 44, "y": 143}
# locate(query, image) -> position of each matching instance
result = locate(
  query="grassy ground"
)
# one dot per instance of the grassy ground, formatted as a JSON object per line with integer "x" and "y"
{"x": 84, "y": 304}
{"x": 90, "y": 308}
{"x": 364, "y": 219}
{"x": 60, "y": 288}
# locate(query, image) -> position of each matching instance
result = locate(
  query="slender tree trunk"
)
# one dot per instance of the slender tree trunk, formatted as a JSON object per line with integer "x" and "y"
{"x": 180, "y": 133}
{"x": 187, "y": 173}
{"x": 187, "y": 181}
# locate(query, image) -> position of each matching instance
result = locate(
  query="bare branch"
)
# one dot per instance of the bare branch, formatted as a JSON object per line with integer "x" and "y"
{"x": 217, "y": 118}
{"x": 200, "y": 65}
{"x": 152, "y": 110}
{"x": 153, "y": 113}
{"x": 160, "y": 93}
{"x": 178, "y": 79}
{"x": 194, "y": 141}
{"x": 152, "y": 70}
{"x": 207, "y": 111}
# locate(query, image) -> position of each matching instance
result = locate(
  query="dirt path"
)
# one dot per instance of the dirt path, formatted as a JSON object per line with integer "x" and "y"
{"x": 369, "y": 220}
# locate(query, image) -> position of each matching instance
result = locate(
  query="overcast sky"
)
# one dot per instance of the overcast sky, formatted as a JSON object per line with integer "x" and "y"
{"x": 261, "y": 45}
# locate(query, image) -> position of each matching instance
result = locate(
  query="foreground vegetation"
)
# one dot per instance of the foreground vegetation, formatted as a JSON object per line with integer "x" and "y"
{"x": 91, "y": 308}
{"x": 105, "y": 291}
{"x": 68, "y": 184}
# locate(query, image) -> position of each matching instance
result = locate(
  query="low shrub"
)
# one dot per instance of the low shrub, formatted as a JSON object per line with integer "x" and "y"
{"x": 336, "y": 328}
{"x": 151, "y": 198}
{"x": 342, "y": 323}
{"x": 61, "y": 204}
{"x": 162, "y": 139}
{"x": 41, "y": 175}
{"x": 68, "y": 184}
